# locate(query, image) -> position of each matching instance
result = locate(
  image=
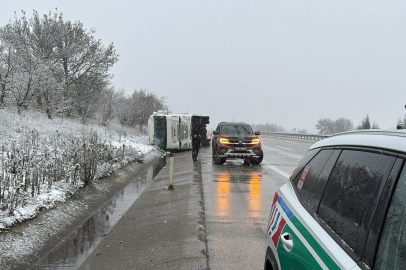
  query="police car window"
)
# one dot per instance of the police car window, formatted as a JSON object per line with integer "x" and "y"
{"x": 309, "y": 175}
{"x": 350, "y": 191}
{"x": 308, "y": 156}
{"x": 392, "y": 247}
{"x": 317, "y": 190}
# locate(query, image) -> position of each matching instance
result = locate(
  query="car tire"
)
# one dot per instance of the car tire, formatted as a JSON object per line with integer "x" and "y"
{"x": 270, "y": 261}
{"x": 217, "y": 159}
{"x": 257, "y": 161}
{"x": 248, "y": 162}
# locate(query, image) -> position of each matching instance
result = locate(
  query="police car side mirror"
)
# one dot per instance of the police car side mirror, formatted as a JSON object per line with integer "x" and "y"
{"x": 215, "y": 132}
{"x": 257, "y": 133}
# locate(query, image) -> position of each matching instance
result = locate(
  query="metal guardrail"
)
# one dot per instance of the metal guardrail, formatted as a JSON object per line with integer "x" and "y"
{"x": 316, "y": 137}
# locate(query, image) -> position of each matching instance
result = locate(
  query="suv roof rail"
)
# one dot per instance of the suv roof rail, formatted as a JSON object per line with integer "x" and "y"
{"x": 388, "y": 132}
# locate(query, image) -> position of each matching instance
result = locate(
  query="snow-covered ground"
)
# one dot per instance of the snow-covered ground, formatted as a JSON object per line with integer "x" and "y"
{"x": 32, "y": 133}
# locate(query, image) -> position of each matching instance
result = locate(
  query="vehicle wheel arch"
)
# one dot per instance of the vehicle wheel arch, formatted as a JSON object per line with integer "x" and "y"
{"x": 270, "y": 260}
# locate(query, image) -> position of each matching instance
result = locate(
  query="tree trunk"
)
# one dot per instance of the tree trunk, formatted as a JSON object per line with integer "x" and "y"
{"x": 2, "y": 94}
{"x": 48, "y": 106}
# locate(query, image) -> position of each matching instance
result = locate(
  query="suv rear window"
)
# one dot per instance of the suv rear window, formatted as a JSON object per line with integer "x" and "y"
{"x": 351, "y": 194}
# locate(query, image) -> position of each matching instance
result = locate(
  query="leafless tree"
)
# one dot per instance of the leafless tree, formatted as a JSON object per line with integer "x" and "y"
{"x": 146, "y": 103}
{"x": 57, "y": 63}
{"x": 16, "y": 36}
{"x": 6, "y": 69}
{"x": 106, "y": 108}
{"x": 325, "y": 126}
{"x": 137, "y": 108}
{"x": 342, "y": 125}
{"x": 80, "y": 56}
{"x": 123, "y": 107}
{"x": 268, "y": 127}
{"x": 88, "y": 95}
{"x": 44, "y": 37}
{"x": 329, "y": 126}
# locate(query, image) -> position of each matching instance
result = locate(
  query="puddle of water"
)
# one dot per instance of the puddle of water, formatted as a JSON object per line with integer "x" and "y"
{"x": 76, "y": 247}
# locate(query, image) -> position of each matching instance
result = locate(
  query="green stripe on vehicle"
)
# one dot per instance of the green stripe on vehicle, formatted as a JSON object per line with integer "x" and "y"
{"x": 299, "y": 257}
{"x": 330, "y": 263}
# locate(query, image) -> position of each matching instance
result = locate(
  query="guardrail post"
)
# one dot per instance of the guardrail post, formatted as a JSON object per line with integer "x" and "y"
{"x": 171, "y": 187}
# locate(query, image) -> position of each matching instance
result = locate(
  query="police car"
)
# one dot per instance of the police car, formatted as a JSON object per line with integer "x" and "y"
{"x": 344, "y": 206}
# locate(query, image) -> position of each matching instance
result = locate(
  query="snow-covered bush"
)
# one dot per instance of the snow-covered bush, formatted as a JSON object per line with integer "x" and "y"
{"x": 39, "y": 157}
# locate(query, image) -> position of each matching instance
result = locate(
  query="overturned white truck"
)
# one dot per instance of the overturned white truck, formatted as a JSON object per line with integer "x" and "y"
{"x": 172, "y": 131}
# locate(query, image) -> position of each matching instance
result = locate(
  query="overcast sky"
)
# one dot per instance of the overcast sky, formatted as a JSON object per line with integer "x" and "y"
{"x": 284, "y": 62}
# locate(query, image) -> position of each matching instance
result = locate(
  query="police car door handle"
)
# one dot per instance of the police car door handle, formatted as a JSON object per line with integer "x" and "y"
{"x": 287, "y": 241}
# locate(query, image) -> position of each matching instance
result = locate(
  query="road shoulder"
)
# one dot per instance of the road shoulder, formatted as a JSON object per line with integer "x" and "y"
{"x": 163, "y": 229}
{"x": 23, "y": 245}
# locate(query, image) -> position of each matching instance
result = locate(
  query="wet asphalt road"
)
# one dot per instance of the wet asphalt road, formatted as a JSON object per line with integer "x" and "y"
{"x": 227, "y": 222}
{"x": 238, "y": 198}
{"x": 73, "y": 251}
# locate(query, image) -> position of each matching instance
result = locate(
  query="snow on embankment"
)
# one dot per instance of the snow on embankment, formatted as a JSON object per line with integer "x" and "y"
{"x": 43, "y": 161}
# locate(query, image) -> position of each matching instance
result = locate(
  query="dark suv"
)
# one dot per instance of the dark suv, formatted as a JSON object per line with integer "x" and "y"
{"x": 236, "y": 140}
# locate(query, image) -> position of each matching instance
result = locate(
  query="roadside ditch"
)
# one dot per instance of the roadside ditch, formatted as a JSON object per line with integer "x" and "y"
{"x": 80, "y": 222}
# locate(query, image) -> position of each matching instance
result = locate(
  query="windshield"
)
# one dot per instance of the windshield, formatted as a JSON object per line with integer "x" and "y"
{"x": 236, "y": 129}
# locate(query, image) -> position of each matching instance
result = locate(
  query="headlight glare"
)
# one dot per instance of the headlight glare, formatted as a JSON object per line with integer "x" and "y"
{"x": 224, "y": 141}
{"x": 255, "y": 141}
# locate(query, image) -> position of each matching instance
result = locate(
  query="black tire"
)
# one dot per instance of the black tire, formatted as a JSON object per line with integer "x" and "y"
{"x": 268, "y": 265}
{"x": 257, "y": 161}
{"x": 217, "y": 159}
{"x": 270, "y": 261}
{"x": 248, "y": 162}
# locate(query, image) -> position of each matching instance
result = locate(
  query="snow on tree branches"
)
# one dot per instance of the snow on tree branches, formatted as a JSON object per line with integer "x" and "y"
{"x": 55, "y": 64}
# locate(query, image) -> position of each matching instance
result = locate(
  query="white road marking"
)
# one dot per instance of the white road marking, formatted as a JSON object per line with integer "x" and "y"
{"x": 282, "y": 147}
{"x": 279, "y": 171}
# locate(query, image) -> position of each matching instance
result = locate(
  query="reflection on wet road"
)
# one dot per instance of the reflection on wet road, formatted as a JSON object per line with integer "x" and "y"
{"x": 238, "y": 200}
{"x": 223, "y": 189}
{"x": 226, "y": 180}
{"x": 255, "y": 195}
{"x": 76, "y": 247}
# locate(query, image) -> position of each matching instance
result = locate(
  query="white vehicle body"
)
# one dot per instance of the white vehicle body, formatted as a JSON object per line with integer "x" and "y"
{"x": 170, "y": 130}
